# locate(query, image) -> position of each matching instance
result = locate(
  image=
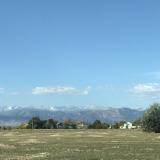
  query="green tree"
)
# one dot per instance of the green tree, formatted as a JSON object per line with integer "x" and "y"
{"x": 51, "y": 124}
{"x": 151, "y": 119}
{"x": 35, "y": 123}
{"x": 105, "y": 125}
{"x": 70, "y": 124}
{"x": 43, "y": 124}
{"x": 97, "y": 124}
{"x": 116, "y": 125}
{"x": 137, "y": 122}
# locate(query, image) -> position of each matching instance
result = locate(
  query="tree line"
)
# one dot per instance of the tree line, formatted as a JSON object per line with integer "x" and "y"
{"x": 37, "y": 123}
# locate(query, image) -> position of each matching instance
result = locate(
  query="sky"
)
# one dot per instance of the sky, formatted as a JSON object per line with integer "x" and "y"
{"x": 83, "y": 52}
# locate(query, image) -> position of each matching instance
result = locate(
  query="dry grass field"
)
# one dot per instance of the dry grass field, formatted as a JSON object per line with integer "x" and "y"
{"x": 79, "y": 145}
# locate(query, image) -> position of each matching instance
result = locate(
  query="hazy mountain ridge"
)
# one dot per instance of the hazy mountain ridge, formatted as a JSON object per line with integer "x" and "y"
{"x": 16, "y": 115}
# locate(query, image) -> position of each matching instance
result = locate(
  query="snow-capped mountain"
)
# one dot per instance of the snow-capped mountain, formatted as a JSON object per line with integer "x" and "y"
{"x": 13, "y": 115}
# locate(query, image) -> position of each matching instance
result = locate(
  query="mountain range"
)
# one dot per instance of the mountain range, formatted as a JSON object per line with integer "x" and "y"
{"x": 13, "y": 115}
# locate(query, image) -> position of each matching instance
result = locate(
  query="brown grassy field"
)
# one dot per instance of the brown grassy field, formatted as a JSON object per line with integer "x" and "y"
{"x": 79, "y": 145}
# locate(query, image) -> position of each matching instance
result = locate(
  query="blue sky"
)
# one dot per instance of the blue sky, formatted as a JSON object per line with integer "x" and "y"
{"x": 79, "y": 52}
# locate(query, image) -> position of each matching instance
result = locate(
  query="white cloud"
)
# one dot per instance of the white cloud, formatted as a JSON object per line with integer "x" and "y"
{"x": 147, "y": 88}
{"x": 61, "y": 90}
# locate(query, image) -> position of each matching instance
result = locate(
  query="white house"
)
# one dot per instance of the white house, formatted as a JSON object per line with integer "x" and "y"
{"x": 127, "y": 125}
{"x": 81, "y": 125}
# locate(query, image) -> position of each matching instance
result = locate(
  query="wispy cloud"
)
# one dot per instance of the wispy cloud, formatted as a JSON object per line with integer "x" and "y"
{"x": 61, "y": 90}
{"x": 146, "y": 88}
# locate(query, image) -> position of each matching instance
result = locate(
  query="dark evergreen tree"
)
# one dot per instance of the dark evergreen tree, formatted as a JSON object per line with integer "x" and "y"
{"x": 151, "y": 119}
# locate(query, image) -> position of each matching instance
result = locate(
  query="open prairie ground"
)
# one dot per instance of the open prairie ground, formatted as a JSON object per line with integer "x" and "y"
{"x": 79, "y": 145}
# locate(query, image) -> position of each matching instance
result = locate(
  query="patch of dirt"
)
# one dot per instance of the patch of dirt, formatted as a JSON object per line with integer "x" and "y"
{"x": 6, "y": 146}
{"x": 30, "y": 141}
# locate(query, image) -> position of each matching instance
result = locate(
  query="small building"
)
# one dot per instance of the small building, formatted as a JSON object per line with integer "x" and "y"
{"x": 127, "y": 125}
{"x": 60, "y": 125}
{"x": 82, "y": 125}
